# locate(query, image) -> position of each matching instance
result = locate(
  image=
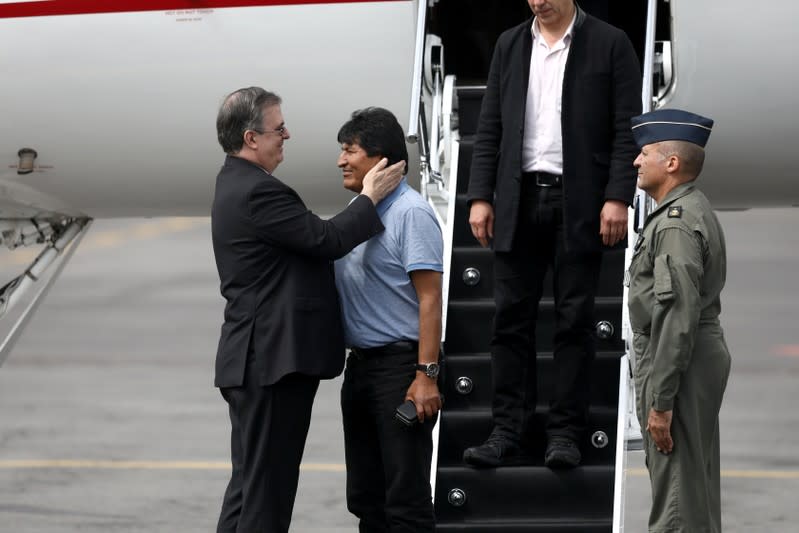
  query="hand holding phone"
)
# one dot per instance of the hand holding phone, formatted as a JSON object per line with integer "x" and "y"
{"x": 406, "y": 413}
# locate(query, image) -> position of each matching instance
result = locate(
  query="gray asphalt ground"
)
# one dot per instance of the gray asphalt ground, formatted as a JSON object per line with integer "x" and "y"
{"x": 109, "y": 420}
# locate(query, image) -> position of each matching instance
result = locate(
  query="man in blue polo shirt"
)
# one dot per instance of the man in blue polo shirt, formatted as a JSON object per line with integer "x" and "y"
{"x": 390, "y": 288}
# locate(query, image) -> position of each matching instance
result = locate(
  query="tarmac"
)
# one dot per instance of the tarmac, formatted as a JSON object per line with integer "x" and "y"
{"x": 109, "y": 420}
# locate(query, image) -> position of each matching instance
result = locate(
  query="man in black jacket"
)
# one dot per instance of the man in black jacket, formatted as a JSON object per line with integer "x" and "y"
{"x": 550, "y": 184}
{"x": 282, "y": 331}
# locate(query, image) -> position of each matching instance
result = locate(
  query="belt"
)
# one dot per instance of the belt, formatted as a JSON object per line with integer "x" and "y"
{"x": 543, "y": 179}
{"x": 387, "y": 349}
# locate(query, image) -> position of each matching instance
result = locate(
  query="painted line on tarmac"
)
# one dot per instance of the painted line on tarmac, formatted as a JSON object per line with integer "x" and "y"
{"x": 739, "y": 474}
{"x": 76, "y": 464}
{"x": 787, "y": 350}
{"x": 95, "y": 240}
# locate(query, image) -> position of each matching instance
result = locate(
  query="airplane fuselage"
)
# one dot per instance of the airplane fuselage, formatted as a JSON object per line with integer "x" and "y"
{"x": 120, "y": 105}
{"x": 119, "y": 100}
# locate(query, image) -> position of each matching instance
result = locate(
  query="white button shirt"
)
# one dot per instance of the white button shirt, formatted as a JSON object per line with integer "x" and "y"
{"x": 542, "y": 146}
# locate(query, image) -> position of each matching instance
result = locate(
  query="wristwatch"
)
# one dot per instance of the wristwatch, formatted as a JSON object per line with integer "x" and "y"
{"x": 430, "y": 369}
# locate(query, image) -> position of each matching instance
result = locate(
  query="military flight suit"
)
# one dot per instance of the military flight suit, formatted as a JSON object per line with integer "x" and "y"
{"x": 682, "y": 362}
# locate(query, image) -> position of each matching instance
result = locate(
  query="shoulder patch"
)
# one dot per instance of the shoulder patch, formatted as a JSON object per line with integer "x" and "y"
{"x": 675, "y": 211}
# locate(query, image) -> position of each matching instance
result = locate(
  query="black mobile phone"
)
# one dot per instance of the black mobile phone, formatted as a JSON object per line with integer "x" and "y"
{"x": 406, "y": 413}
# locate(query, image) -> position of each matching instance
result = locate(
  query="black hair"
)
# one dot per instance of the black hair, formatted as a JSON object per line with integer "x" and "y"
{"x": 378, "y": 132}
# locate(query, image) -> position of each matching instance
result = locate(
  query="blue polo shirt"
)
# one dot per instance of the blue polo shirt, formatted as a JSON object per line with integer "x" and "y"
{"x": 378, "y": 301}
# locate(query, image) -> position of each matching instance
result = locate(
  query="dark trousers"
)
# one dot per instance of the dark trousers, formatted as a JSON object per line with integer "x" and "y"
{"x": 388, "y": 464}
{"x": 269, "y": 427}
{"x": 539, "y": 245}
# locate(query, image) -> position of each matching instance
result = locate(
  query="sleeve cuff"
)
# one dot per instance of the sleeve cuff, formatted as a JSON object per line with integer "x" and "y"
{"x": 662, "y": 404}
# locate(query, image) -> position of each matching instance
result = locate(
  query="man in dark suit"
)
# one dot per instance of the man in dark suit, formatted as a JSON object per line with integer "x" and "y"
{"x": 282, "y": 331}
{"x": 550, "y": 183}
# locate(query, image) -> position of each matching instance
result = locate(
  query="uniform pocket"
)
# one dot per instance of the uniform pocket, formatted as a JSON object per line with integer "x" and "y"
{"x": 640, "y": 347}
{"x": 664, "y": 290}
{"x": 641, "y": 373}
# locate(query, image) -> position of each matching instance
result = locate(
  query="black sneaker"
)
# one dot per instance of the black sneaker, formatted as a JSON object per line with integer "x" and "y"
{"x": 562, "y": 452}
{"x": 493, "y": 452}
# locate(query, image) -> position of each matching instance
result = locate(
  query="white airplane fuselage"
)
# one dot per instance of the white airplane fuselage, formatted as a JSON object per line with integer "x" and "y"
{"x": 732, "y": 62}
{"x": 119, "y": 102}
{"x": 120, "y": 106}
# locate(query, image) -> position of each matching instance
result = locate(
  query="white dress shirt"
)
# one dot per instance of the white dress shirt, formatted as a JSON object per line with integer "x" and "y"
{"x": 542, "y": 146}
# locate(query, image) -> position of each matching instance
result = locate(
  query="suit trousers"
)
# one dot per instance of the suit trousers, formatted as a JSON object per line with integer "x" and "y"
{"x": 539, "y": 246}
{"x": 388, "y": 464}
{"x": 269, "y": 426}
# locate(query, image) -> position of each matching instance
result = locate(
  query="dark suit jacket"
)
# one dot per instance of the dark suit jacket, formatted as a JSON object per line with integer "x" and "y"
{"x": 601, "y": 92}
{"x": 274, "y": 259}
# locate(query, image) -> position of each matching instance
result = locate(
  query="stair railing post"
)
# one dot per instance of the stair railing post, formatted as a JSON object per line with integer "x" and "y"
{"x": 628, "y": 431}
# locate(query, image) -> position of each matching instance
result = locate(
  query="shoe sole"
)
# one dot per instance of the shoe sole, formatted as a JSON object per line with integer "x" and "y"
{"x": 562, "y": 462}
{"x": 480, "y": 462}
{"x": 514, "y": 460}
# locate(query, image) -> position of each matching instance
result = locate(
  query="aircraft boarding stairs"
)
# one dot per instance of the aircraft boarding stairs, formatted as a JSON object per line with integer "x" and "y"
{"x": 530, "y": 497}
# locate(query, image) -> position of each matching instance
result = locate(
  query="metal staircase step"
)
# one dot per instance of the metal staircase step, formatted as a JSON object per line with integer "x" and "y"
{"x": 529, "y": 494}
{"x": 462, "y": 232}
{"x": 481, "y": 260}
{"x": 527, "y": 526}
{"x": 466, "y": 379}
{"x": 469, "y": 324}
{"x": 461, "y": 429}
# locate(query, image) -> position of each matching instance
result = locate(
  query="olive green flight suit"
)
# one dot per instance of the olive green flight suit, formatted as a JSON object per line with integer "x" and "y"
{"x": 682, "y": 362}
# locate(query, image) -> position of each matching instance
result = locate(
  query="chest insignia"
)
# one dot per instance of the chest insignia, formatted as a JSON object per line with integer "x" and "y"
{"x": 675, "y": 211}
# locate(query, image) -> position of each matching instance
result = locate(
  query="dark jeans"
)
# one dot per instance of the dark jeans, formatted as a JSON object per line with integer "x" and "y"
{"x": 539, "y": 245}
{"x": 268, "y": 430}
{"x": 388, "y": 464}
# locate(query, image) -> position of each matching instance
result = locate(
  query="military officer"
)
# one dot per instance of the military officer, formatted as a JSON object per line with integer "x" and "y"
{"x": 682, "y": 362}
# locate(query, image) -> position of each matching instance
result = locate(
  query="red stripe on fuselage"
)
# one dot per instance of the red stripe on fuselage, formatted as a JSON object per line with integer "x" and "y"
{"x": 85, "y": 7}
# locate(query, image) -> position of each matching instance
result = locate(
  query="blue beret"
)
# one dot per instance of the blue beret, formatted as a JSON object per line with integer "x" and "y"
{"x": 671, "y": 125}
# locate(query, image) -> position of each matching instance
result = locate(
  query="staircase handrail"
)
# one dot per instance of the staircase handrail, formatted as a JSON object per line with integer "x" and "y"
{"x": 416, "y": 85}
{"x": 627, "y": 419}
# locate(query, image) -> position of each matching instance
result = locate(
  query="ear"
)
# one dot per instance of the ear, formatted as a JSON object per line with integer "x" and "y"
{"x": 673, "y": 164}
{"x": 249, "y": 139}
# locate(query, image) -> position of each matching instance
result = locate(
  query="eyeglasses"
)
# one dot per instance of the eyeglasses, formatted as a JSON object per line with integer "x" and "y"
{"x": 282, "y": 130}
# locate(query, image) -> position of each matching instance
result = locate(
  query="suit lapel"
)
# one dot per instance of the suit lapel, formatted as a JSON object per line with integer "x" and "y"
{"x": 527, "y": 52}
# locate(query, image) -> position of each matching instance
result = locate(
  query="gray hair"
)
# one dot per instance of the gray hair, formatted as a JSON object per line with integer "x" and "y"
{"x": 242, "y": 110}
{"x": 691, "y": 156}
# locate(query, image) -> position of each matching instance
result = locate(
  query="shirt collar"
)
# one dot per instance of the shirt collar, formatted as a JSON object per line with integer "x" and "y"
{"x": 567, "y": 36}
{"x": 383, "y": 205}
{"x": 677, "y": 192}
